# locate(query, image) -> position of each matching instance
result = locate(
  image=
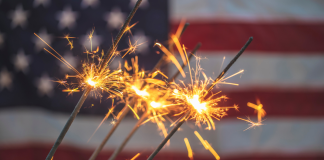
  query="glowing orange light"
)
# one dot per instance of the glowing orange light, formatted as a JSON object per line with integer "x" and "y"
{"x": 190, "y": 154}
{"x": 91, "y": 82}
{"x": 207, "y": 145}
{"x": 194, "y": 101}
{"x": 139, "y": 92}
{"x": 138, "y": 154}
{"x": 155, "y": 104}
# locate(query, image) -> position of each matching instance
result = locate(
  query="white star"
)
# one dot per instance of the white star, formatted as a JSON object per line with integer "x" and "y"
{"x": 96, "y": 41}
{"x": 5, "y": 79}
{"x": 68, "y": 56}
{"x": 140, "y": 38}
{"x": 19, "y": 17}
{"x": 67, "y": 18}
{"x": 115, "y": 19}
{"x": 39, "y": 44}
{"x": 89, "y": 3}
{"x": 2, "y": 37}
{"x": 45, "y": 3}
{"x": 143, "y": 5}
{"x": 44, "y": 85}
{"x": 21, "y": 61}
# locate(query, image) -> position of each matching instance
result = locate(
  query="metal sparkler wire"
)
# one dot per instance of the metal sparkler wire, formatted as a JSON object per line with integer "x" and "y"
{"x": 88, "y": 89}
{"x": 146, "y": 114}
{"x": 183, "y": 119}
{"x": 126, "y": 109}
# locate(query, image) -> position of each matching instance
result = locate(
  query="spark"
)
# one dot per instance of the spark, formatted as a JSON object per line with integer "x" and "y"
{"x": 252, "y": 125}
{"x": 172, "y": 58}
{"x": 133, "y": 112}
{"x": 71, "y": 91}
{"x": 259, "y": 108}
{"x": 128, "y": 28}
{"x": 207, "y": 145}
{"x": 131, "y": 47}
{"x": 138, "y": 154}
{"x": 190, "y": 154}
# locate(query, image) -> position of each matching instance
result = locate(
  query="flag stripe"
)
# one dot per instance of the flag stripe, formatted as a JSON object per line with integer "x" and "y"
{"x": 278, "y": 104}
{"x": 273, "y": 37}
{"x": 248, "y": 10}
{"x": 33, "y": 129}
{"x": 267, "y": 70}
{"x": 39, "y": 152}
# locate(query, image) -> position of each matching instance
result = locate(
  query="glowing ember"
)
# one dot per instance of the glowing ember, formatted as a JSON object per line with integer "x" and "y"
{"x": 194, "y": 101}
{"x": 190, "y": 154}
{"x": 155, "y": 104}
{"x": 139, "y": 92}
{"x": 91, "y": 82}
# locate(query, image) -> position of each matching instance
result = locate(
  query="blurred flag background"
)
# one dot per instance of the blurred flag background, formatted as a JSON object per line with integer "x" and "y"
{"x": 284, "y": 68}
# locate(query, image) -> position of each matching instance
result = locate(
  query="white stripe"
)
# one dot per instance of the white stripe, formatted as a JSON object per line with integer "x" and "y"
{"x": 284, "y": 135}
{"x": 264, "y": 70}
{"x": 247, "y": 10}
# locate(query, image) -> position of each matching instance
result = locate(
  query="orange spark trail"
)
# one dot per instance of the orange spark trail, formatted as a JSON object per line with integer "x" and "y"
{"x": 178, "y": 45}
{"x": 138, "y": 154}
{"x": 172, "y": 58}
{"x": 259, "y": 108}
{"x": 133, "y": 111}
{"x": 67, "y": 63}
{"x": 252, "y": 125}
{"x": 207, "y": 145}
{"x": 190, "y": 154}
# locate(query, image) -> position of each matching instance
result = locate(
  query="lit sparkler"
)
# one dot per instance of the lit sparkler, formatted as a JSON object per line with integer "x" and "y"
{"x": 200, "y": 102}
{"x": 139, "y": 89}
{"x": 88, "y": 88}
{"x": 156, "y": 106}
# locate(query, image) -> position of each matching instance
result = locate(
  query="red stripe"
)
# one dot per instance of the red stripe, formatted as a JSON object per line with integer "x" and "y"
{"x": 278, "y": 103}
{"x": 267, "y": 37}
{"x": 39, "y": 152}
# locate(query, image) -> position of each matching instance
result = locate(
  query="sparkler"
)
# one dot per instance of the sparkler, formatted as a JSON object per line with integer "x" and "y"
{"x": 88, "y": 88}
{"x": 126, "y": 109}
{"x": 201, "y": 105}
{"x": 153, "y": 104}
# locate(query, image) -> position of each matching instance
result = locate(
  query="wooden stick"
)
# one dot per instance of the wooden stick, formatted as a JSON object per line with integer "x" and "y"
{"x": 166, "y": 139}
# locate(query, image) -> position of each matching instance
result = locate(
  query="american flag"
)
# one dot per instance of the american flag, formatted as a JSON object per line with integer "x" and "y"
{"x": 283, "y": 68}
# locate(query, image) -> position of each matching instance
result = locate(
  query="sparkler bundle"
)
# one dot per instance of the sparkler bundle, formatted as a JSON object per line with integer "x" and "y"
{"x": 152, "y": 93}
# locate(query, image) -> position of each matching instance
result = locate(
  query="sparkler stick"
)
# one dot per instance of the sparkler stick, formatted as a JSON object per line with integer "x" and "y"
{"x": 220, "y": 76}
{"x": 120, "y": 148}
{"x": 139, "y": 122}
{"x": 167, "y": 138}
{"x": 126, "y": 109}
{"x": 88, "y": 89}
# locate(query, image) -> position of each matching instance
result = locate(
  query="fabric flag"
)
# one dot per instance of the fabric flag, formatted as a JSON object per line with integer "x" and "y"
{"x": 283, "y": 68}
